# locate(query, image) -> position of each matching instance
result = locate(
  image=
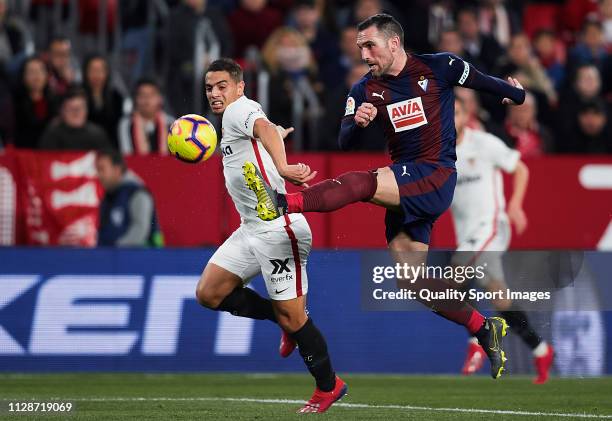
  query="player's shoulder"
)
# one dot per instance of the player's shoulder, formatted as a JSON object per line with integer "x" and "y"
{"x": 445, "y": 66}
{"x": 437, "y": 58}
{"x": 240, "y": 109}
{"x": 360, "y": 85}
{"x": 364, "y": 79}
{"x": 240, "y": 105}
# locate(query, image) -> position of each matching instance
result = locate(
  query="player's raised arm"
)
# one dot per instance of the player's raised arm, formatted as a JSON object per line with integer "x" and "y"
{"x": 462, "y": 73}
{"x": 271, "y": 137}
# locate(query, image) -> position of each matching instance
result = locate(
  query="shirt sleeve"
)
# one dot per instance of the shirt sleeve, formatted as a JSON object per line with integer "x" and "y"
{"x": 348, "y": 127}
{"x": 461, "y": 73}
{"x": 243, "y": 115}
{"x": 501, "y": 155}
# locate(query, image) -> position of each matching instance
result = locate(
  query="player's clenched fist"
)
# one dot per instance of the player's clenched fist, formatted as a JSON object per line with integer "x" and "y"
{"x": 365, "y": 114}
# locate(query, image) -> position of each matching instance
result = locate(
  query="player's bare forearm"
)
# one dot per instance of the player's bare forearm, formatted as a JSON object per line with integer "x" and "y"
{"x": 519, "y": 186}
{"x": 271, "y": 136}
{"x": 272, "y": 141}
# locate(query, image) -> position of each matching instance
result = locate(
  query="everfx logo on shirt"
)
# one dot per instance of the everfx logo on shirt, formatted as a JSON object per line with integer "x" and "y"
{"x": 406, "y": 115}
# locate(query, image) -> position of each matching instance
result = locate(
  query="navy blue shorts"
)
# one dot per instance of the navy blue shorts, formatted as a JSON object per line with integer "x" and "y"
{"x": 426, "y": 191}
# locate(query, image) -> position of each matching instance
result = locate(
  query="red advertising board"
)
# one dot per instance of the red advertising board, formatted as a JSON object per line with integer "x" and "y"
{"x": 52, "y": 199}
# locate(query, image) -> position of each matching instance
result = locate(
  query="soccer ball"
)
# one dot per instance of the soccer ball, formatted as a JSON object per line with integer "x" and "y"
{"x": 192, "y": 138}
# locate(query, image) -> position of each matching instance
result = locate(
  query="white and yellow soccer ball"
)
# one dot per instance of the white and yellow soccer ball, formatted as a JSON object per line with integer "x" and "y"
{"x": 192, "y": 138}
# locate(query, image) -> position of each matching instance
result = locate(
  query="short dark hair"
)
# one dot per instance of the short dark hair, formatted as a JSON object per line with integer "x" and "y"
{"x": 226, "y": 65}
{"x": 58, "y": 38}
{"x": 470, "y": 10}
{"x": 544, "y": 32}
{"x": 384, "y": 23}
{"x": 74, "y": 92}
{"x": 146, "y": 81}
{"x": 592, "y": 106}
{"x": 115, "y": 157}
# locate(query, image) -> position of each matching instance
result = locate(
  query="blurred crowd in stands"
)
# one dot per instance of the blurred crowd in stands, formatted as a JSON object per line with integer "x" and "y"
{"x": 61, "y": 90}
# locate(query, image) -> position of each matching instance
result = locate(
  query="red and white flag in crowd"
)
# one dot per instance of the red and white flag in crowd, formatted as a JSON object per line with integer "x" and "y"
{"x": 59, "y": 196}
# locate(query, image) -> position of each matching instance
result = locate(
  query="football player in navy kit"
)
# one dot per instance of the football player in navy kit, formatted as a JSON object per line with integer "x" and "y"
{"x": 411, "y": 98}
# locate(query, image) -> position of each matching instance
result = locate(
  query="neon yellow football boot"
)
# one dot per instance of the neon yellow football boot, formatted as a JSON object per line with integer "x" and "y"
{"x": 494, "y": 330}
{"x": 267, "y": 208}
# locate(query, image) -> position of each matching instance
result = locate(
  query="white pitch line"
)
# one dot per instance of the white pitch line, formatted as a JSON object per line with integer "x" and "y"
{"x": 348, "y": 405}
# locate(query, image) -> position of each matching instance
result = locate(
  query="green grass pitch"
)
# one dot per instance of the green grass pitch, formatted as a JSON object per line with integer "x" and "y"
{"x": 268, "y": 396}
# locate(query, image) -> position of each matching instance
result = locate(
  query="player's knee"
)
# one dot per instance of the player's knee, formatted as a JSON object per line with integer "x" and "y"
{"x": 402, "y": 244}
{"x": 206, "y": 296}
{"x": 290, "y": 321}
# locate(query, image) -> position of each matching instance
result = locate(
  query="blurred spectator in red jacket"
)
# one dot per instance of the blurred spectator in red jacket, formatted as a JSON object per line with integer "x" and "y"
{"x": 252, "y": 23}
{"x": 522, "y": 130}
{"x": 34, "y": 103}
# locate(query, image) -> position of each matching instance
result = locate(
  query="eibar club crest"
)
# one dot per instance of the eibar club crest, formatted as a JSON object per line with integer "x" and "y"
{"x": 423, "y": 83}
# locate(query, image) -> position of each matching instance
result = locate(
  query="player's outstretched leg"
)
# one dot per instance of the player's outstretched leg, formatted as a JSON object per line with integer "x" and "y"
{"x": 491, "y": 336}
{"x": 489, "y": 331}
{"x": 326, "y": 196}
{"x": 542, "y": 351}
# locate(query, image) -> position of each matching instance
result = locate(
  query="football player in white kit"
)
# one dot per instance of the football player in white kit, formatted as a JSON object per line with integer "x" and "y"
{"x": 278, "y": 249}
{"x": 482, "y": 228}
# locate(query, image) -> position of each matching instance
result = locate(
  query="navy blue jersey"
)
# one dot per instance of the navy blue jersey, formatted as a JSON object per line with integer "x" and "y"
{"x": 416, "y": 107}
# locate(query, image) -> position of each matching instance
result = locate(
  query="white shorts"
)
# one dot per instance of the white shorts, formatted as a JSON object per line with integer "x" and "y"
{"x": 280, "y": 255}
{"x": 485, "y": 247}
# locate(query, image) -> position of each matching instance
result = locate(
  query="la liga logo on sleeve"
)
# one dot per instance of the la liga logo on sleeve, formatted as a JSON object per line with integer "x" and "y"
{"x": 350, "y": 106}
